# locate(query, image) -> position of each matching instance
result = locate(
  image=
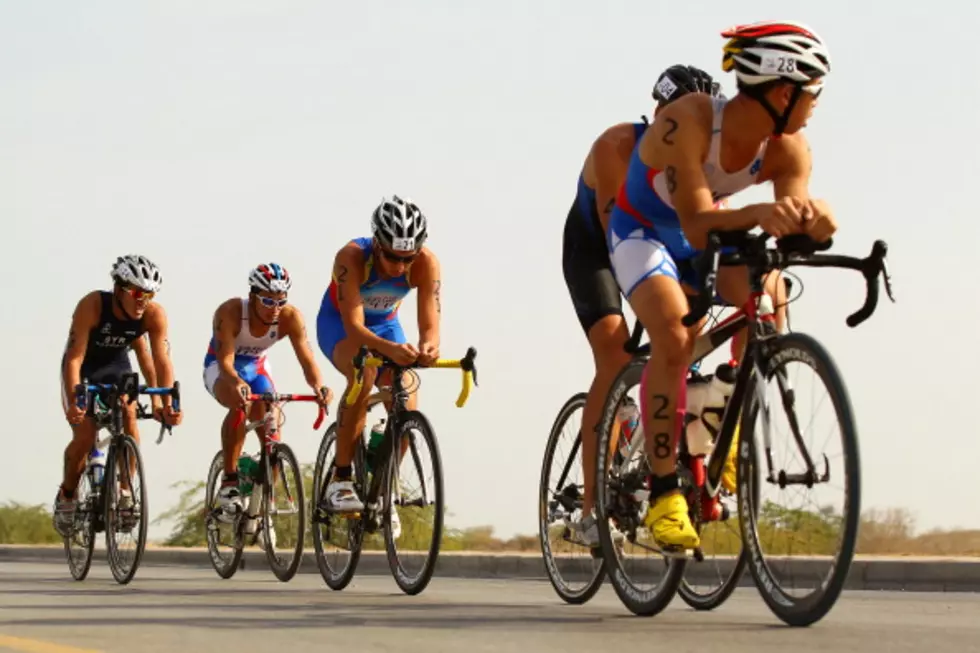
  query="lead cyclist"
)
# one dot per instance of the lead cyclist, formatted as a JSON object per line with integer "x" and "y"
{"x": 699, "y": 151}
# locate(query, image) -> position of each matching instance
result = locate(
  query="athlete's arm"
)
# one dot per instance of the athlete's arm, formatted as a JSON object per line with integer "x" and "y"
{"x": 677, "y": 143}
{"x": 226, "y": 318}
{"x": 427, "y": 277}
{"x": 157, "y": 328}
{"x": 83, "y": 320}
{"x": 610, "y": 160}
{"x": 292, "y": 323}
{"x": 348, "y": 273}
{"x": 789, "y": 162}
{"x": 791, "y": 179}
{"x": 142, "y": 350}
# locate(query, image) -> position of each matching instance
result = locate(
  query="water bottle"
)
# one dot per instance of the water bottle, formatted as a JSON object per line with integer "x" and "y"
{"x": 248, "y": 470}
{"x": 374, "y": 442}
{"x": 706, "y": 400}
{"x": 628, "y": 417}
{"x": 96, "y": 461}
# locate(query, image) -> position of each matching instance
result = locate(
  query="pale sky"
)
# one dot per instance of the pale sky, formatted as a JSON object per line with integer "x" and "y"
{"x": 214, "y": 136}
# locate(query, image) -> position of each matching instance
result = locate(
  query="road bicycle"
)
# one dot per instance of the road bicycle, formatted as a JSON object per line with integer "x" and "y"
{"x": 561, "y": 499}
{"x": 257, "y": 520}
{"x": 623, "y": 491}
{"x": 105, "y": 498}
{"x": 379, "y": 481}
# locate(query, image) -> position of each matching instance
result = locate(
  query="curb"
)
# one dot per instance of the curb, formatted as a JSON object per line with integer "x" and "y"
{"x": 912, "y": 574}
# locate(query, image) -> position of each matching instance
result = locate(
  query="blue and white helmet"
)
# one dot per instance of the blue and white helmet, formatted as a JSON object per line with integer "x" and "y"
{"x": 269, "y": 277}
{"x": 139, "y": 271}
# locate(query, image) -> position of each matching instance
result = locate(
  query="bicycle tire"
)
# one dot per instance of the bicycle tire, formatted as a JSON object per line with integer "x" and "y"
{"x": 282, "y": 451}
{"x": 336, "y": 580}
{"x": 561, "y": 587}
{"x": 120, "y": 444}
{"x": 640, "y": 602}
{"x": 799, "y": 347}
{"x": 80, "y": 570}
{"x": 412, "y": 586}
{"x": 224, "y": 569}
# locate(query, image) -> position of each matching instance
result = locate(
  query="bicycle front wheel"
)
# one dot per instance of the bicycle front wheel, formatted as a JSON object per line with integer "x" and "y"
{"x": 125, "y": 508}
{"x": 224, "y": 533}
{"x": 414, "y": 489}
{"x": 576, "y": 578}
{"x": 283, "y": 512}
{"x": 816, "y": 539}
{"x": 335, "y": 530}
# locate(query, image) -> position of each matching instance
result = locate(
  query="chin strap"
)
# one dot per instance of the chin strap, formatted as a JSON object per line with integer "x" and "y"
{"x": 780, "y": 121}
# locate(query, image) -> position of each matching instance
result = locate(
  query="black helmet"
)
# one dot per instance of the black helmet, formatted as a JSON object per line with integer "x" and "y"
{"x": 679, "y": 80}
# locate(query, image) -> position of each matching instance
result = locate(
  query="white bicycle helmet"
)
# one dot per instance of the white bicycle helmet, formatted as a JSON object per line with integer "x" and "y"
{"x": 399, "y": 224}
{"x": 270, "y": 277}
{"x": 139, "y": 271}
{"x": 767, "y": 51}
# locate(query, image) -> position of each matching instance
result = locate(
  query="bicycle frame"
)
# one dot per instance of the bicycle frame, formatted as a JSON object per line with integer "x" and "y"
{"x": 398, "y": 398}
{"x": 759, "y": 314}
{"x": 270, "y": 435}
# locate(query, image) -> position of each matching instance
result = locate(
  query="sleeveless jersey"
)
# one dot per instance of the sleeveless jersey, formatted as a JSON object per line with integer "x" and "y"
{"x": 645, "y": 199}
{"x": 247, "y": 347}
{"x": 111, "y": 338}
{"x": 381, "y": 297}
{"x": 585, "y": 195}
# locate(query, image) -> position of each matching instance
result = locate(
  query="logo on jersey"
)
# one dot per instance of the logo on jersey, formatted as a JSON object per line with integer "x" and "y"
{"x": 755, "y": 166}
{"x": 380, "y": 302}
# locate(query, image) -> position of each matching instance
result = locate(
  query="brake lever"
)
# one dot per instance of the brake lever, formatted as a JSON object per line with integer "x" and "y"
{"x": 888, "y": 280}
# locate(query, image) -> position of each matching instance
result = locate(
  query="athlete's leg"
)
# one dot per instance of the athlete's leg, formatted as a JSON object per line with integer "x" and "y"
{"x": 596, "y": 298}
{"x": 340, "y": 350}
{"x": 733, "y": 286}
{"x": 82, "y": 441}
{"x": 648, "y": 274}
{"x": 232, "y": 436}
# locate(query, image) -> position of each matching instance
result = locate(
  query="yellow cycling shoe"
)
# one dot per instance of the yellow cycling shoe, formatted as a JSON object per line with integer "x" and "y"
{"x": 670, "y": 524}
{"x": 729, "y": 473}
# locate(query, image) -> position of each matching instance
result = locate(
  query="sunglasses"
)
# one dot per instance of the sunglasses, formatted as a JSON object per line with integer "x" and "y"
{"x": 138, "y": 293}
{"x": 395, "y": 258}
{"x": 813, "y": 89}
{"x": 270, "y": 302}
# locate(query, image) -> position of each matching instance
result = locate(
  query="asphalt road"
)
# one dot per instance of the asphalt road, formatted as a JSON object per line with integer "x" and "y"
{"x": 169, "y": 609}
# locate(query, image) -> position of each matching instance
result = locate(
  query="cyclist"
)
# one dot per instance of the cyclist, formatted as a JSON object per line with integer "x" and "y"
{"x": 588, "y": 271}
{"x": 371, "y": 276}
{"x": 104, "y": 327}
{"x": 699, "y": 151}
{"x": 236, "y": 364}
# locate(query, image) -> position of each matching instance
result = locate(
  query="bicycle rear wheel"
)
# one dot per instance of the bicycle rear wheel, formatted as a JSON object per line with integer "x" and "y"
{"x": 125, "y": 508}
{"x": 81, "y": 540}
{"x": 334, "y": 529}
{"x": 645, "y": 585}
{"x": 283, "y": 497}
{"x": 422, "y": 526}
{"x": 559, "y": 503}
{"x": 763, "y": 522}
{"x": 227, "y": 562}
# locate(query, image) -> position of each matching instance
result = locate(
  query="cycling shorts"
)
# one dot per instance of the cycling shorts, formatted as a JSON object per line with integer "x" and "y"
{"x": 330, "y": 330}
{"x": 638, "y": 253}
{"x": 588, "y": 271}
{"x": 111, "y": 372}
{"x": 253, "y": 371}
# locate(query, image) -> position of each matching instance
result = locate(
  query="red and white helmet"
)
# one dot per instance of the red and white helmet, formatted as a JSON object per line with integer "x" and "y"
{"x": 772, "y": 50}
